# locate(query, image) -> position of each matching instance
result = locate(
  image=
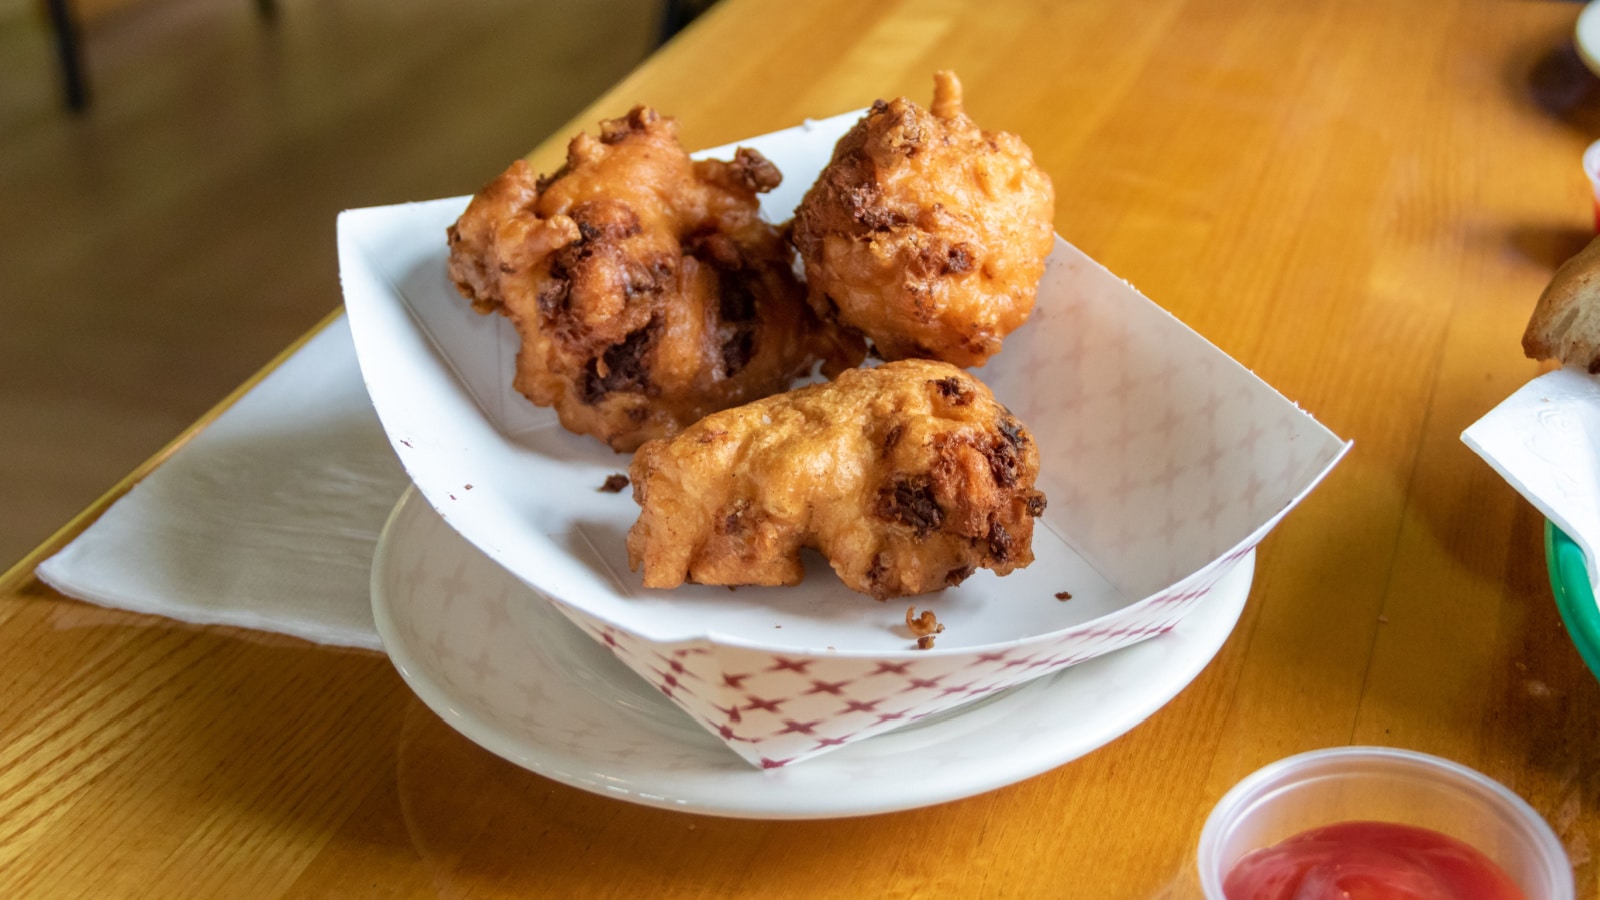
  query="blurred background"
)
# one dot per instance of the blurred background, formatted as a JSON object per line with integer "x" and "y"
{"x": 162, "y": 244}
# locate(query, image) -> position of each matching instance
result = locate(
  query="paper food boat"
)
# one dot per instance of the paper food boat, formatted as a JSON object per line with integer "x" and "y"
{"x": 1164, "y": 461}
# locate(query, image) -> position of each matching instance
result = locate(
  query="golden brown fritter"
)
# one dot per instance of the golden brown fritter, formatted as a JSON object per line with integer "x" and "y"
{"x": 645, "y": 286}
{"x": 926, "y": 233}
{"x": 1565, "y": 324}
{"x": 907, "y": 477}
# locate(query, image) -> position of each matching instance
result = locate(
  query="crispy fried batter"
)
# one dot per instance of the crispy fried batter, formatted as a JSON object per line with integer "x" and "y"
{"x": 1565, "y": 324}
{"x": 906, "y": 477}
{"x": 646, "y": 289}
{"x": 923, "y": 625}
{"x": 926, "y": 233}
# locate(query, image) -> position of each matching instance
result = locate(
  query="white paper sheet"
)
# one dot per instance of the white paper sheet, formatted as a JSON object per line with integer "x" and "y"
{"x": 1544, "y": 440}
{"x": 267, "y": 519}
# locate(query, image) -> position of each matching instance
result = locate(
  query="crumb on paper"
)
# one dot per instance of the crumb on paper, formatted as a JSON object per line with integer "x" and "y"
{"x": 452, "y": 496}
{"x": 924, "y": 625}
{"x": 1063, "y": 595}
{"x": 467, "y": 487}
{"x": 925, "y": 642}
{"x": 406, "y": 442}
{"x": 614, "y": 483}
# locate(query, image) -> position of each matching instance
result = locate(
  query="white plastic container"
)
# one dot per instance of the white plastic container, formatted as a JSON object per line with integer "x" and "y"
{"x": 1383, "y": 784}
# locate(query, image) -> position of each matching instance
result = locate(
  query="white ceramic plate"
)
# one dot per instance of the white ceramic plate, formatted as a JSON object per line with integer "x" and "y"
{"x": 506, "y": 669}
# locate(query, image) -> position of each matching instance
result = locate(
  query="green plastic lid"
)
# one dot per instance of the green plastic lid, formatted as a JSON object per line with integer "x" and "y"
{"x": 1569, "y": 580}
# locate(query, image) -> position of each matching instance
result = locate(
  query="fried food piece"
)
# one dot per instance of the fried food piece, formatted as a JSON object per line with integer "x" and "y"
{"x": 907, "y": 477}
{"x": 1565, "y": 324}
{"x": 645, "y": 286}
{"x": 926, "y": 233}
{"x": 923, "y": 625}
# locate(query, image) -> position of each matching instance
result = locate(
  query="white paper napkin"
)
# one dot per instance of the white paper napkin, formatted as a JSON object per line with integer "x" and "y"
{"x": 267, "y": 519}
{"x": 1545, "y": 441}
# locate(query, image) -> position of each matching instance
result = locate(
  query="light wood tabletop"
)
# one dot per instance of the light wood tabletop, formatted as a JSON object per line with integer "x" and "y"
{"x": 1357, "y": 199}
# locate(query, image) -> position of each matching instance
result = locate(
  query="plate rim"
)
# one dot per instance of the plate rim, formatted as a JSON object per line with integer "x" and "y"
{"x": 791, "y": 794}
{"x": 1574, "y": 596}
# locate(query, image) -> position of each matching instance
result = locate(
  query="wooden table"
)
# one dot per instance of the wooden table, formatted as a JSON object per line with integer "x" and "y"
{"x": 1358, "y": 199}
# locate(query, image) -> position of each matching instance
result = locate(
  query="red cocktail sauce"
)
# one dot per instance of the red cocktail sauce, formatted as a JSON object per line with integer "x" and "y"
{"x": 1369, "y": 861}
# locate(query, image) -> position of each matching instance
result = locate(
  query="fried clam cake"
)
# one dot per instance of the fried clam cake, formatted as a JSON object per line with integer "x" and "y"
{"x": 926, "y": 233}
{"x": 906, "y": 477}
{"x": 645, "y": 286}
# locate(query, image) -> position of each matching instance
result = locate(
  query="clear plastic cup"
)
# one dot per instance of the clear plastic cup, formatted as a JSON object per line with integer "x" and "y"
{"x": 1383, "y": 784}
{"x": 1591, "y": 168}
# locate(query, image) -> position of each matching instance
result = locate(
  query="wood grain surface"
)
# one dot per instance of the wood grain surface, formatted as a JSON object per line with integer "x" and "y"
{"x": 1358, "y": 199}
{"x": 218, "y": 149}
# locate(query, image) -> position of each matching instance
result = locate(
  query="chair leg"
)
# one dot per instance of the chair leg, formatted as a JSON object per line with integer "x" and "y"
{"x": 70, "y": 51}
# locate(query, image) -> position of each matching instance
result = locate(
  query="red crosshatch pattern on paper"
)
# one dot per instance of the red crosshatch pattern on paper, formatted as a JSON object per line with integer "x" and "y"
{"x": 777, "y": 709}
{"x": 1186, "y": 457}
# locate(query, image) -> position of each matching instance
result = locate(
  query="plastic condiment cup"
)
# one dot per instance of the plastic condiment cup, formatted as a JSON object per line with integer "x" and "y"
{"x": 1591, "y": 168}
{"x": 1383, "y": 784}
